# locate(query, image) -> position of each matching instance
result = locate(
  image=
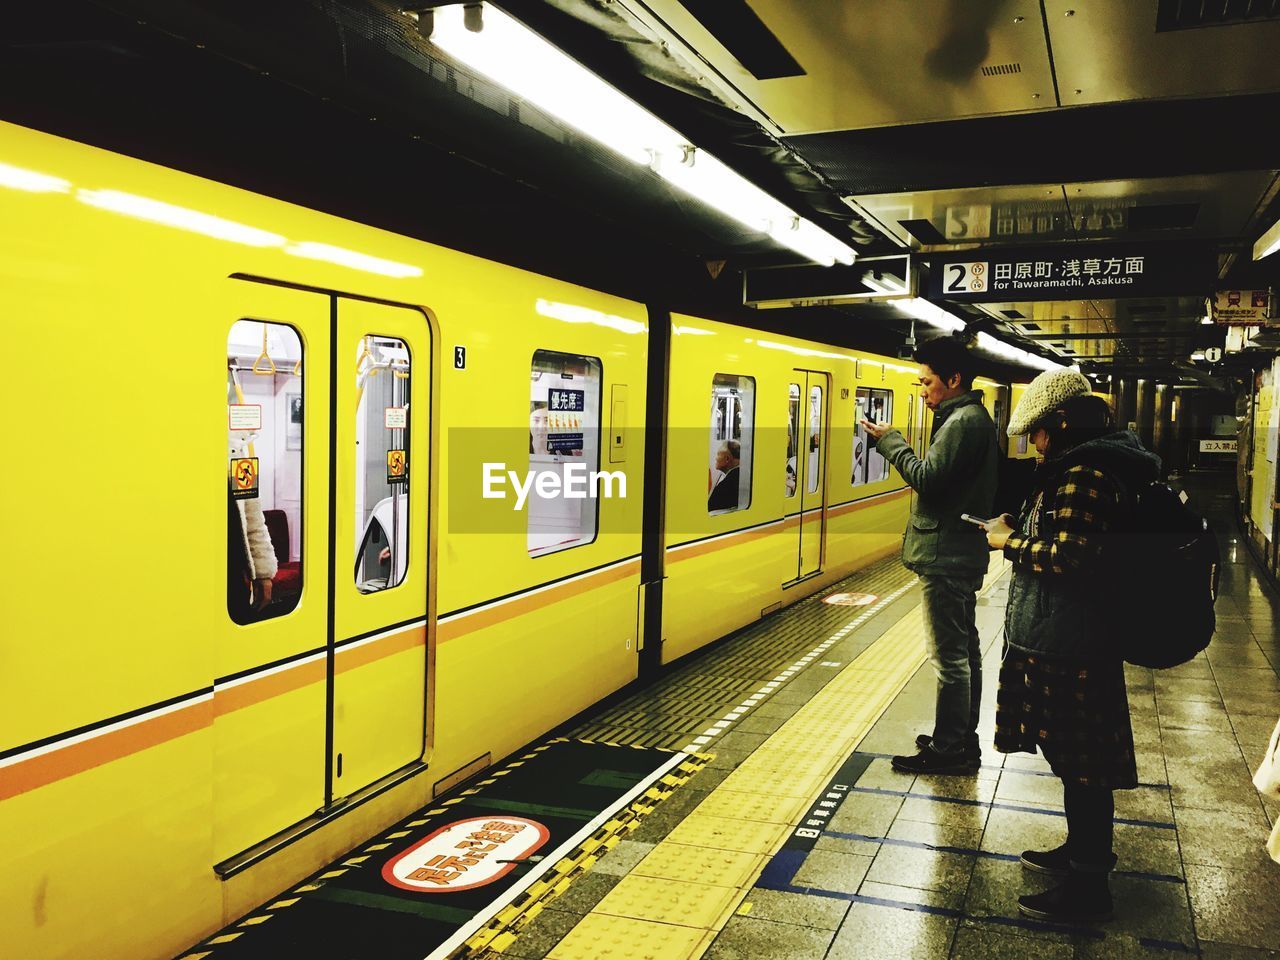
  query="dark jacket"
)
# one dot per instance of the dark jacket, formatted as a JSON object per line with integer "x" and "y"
{"x": 1059, "y": 598}
{"x": 957, "y": 475}
{"x": 725, "y": 494}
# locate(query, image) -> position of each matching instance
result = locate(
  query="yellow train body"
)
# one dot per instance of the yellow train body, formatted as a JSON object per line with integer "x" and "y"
{"x": 145, "y": 737}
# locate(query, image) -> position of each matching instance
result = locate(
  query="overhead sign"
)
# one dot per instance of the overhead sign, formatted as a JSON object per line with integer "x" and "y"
{"x": 1240, "y": 308}
{"x": 1070, "y": 271}
{"x": 1218, "y": 446}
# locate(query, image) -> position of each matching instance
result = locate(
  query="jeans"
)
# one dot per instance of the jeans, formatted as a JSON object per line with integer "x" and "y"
{"x": 950, "y": 607}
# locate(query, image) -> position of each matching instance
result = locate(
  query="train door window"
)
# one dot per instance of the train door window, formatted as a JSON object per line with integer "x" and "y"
{"x": 733, "y": 408}
{"x": 875, "y": 405}
{"x": 564, "y": 441}
{"x": 815, "y": 438}
{"x": 264, "y": 480}
{"x": 382, "y": 467}
{"x": 793, "y": 437}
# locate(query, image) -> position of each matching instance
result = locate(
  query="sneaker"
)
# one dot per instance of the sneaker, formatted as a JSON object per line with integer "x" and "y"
{"x": 971, "y": 750}
{"x": 930, "y": 760}
{"x": 1082, "y": 898}
{"x": 1053, "y": 863}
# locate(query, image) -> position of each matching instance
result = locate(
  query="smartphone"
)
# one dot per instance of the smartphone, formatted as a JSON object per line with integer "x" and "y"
{"x": 974, "y": 520}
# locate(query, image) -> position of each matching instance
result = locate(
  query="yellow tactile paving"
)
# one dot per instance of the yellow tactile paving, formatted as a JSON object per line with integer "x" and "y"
{"x": 603, "y": 937}
{"x": 752, "y": 806}
{"x": 681, "y": 902}
{"x": 779, "y": 784}
{"x": 672, "y": 905}
{"x": 677, "y": 861}
{"x": 723, "y": 833}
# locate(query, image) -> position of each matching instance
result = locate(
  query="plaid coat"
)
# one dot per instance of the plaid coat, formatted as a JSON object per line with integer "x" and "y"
{"x": 1057, "y": 604}
{"x": 1062, "y": 684}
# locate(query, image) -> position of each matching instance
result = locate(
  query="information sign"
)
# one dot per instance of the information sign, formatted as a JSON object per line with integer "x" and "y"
{"x": 571, "y": 400}
{"x": 1218, "y": 446}
{"x": 1084, "y": 270}
{"x": 244, "y": 416}
{"x": 396, "y": 418}
{"x": 1240, "y": 308}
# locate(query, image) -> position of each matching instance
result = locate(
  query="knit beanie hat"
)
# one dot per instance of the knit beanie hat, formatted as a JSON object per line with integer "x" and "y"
{"x": 1044, "y": 393}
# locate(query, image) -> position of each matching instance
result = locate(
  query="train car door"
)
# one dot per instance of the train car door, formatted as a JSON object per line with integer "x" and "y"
{"x": 811, "y": 479}
{"x": 380, "y": 564}
{"x": 269, "y": 691}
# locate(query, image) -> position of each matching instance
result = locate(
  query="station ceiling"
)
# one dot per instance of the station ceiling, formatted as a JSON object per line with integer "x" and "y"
{"x": 894, "y": 124}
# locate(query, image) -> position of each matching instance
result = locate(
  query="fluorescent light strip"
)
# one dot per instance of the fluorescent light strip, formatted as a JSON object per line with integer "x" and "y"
{"x": 930, "y": 313}
{"x": 1268, "y": 243}
{"x": 514, "y": 57}
{"x": 33, "y": 182}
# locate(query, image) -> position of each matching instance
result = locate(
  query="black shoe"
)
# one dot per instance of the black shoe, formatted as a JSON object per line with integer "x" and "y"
{"x": 930, "y": 760}
{"x": 971, "y": 750}
{"x": 1053, "y": 863}
{"x": 1081, "y": 898}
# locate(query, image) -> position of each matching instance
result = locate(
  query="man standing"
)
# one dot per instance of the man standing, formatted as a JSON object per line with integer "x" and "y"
{"x": 957, "y": 475}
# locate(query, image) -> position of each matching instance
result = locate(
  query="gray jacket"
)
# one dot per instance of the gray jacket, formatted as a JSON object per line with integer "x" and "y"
{"x": 957, "y": 475}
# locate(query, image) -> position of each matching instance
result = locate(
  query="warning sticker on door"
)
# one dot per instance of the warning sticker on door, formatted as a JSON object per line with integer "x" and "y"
{"x": 244, "y": 478}
{"x": 397, "y": 468}
{"x": 396, "y": 418}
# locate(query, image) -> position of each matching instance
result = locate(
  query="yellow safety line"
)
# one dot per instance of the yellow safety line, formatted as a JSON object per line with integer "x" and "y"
{"x": 673, "y": 903}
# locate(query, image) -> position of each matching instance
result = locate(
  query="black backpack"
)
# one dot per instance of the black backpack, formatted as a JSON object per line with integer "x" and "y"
{"x": 1164, "y": 565}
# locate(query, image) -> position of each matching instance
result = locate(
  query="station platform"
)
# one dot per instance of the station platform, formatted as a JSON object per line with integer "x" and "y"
{"x": 768, "y": 822}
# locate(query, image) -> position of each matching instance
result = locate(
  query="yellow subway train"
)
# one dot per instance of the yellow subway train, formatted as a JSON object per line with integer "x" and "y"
{"x": 286, "y": 558}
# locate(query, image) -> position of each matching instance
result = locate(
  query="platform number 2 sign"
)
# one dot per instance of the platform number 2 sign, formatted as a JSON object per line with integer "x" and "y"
{"x": 965, "y": 277}
{"x": 460, "y": 358}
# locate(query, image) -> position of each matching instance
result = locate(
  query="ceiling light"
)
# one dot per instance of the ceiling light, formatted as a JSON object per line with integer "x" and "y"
{"x": 156, "y": 211}
{"x": 1268, "y": 243}
{"x": 930, "y": 313}
{"x": 31, "y": 181}
{"x": 353, "y": 259}
{"x": 883, "y": 284}
{"x": 514, "y": 57}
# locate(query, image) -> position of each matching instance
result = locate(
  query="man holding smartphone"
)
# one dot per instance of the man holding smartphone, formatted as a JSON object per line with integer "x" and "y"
{"x": 956, "y": 476}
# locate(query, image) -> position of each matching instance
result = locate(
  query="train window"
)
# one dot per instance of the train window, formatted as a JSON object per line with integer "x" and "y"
{"x": 793, "y": 435}
{"x": 382, "y": 466}
{"x": 564, "y": 441}
{"x": 264, "y": 488}
{"x": 815, "y": 438}
{"x": 876, "y": 405}
{"x": 733, "y": 407}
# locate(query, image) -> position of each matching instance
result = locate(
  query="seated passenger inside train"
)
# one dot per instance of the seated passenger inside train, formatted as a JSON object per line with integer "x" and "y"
{"x": 724, "y": 495}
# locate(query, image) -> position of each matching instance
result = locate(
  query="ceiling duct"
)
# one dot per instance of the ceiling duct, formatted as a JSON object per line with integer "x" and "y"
{"x": 1002, "y": 70}
{"x": 1193, "y": 14}
{"x": 740, "y": 31}
{"x": 924, "y": 231}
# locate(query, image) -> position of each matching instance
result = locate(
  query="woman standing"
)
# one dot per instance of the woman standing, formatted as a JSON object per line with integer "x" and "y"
{"x": 1062, "y": 686}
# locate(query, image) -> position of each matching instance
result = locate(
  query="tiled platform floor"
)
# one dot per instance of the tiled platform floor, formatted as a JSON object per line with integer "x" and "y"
{"x": 1193, "y": 876}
